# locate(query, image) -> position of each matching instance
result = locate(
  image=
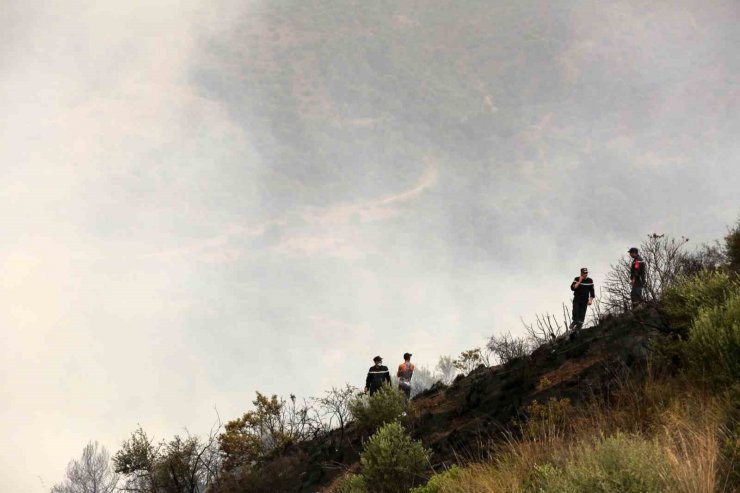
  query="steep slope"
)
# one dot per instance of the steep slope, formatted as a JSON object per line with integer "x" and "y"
{"x": 454, "y": 420}
{"x": 462, "y": 419}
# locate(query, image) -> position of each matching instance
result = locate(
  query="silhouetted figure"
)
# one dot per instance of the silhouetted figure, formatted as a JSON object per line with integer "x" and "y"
{"x": 583, "y": 295}
{"x": 637, "y": 277}
{"x": 377, "y": 376}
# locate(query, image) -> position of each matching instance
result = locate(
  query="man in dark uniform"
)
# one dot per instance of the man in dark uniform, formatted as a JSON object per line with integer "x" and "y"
{"x": 377, "y": 376}
{"x": 583, "y": 295}
{"x": 637, "y": 276}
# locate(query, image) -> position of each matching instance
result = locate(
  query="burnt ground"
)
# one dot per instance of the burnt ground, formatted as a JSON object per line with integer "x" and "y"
{"x": 478, "y": 409}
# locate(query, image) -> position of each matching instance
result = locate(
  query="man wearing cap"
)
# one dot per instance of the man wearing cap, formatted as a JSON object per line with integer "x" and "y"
{"x": 405, "y": 372}
{"x": 583, "y": 295}
{"x": 377, "y": 376}
{"x": 637, "y": 276}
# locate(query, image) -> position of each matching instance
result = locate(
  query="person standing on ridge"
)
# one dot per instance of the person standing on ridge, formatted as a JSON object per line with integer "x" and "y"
{"x": 405, "y": 372}
{"x": 583, "y": 295}
{"x": 637, "y": 276}
{"x": 377, "y": 376}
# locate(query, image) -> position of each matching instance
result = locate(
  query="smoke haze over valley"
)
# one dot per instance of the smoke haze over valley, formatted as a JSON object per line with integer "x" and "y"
{"x": 203, "y": 199}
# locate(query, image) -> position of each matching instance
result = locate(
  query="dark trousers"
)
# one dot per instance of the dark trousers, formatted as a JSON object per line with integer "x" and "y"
{"x": 406, "y": 391}
{"x": 636, "y": 294}
{"x": 579, "y": 313}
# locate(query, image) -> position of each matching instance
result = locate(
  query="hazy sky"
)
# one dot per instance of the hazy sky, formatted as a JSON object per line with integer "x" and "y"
{"x": 200, "y": 200}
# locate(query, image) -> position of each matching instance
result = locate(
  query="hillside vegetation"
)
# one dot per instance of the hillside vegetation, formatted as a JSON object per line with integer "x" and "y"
{"x": 645, "y": 400}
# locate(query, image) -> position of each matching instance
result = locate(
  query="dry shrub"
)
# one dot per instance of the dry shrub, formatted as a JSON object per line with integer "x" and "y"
{"x": 479, "y": 478}
{"x": 633, "y": 405}
{"x": 549, "y": 420}
{"x": 616, "y": 464}
{"x": 686, "y": 421}
{"x": 507, "y": 348}
{"x": 353, "y": 483}
{"x": 649, "y": 434}
{"x": 691, "y": 439}
{"x": 470, "y": 360}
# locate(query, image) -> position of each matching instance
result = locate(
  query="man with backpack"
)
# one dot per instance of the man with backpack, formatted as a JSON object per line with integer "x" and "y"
{"x": 637, "y": 276}
{"x": 583, "y": 295}
{"x": 377, "y": 376}
{"x": 404, "y": 374}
